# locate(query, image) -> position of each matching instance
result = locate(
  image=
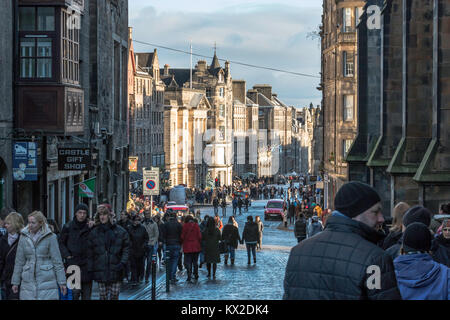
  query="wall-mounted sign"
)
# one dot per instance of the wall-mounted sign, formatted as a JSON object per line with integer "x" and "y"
{"x": 74, "y": 158}
{"x": 87, "y": 188}
{"x": 133, "y": 164}
{"x": 25, "y": 161}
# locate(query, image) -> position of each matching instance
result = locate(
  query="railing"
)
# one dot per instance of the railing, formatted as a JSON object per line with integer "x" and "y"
{"x": 347, "y": 37}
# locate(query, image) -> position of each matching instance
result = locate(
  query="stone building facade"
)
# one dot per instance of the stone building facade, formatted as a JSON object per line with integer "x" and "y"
{"x": 406, "y": 155}
{"x": 216, "y": 82}
{"x": 339, "y": 87}
{"x": 6, "y": 103}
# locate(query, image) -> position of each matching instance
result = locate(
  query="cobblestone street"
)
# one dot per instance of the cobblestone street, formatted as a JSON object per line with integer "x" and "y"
{"x": 263, "y": 281}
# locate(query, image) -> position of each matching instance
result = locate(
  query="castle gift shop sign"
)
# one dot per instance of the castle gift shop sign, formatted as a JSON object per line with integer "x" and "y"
{"x": 74, "y": 158}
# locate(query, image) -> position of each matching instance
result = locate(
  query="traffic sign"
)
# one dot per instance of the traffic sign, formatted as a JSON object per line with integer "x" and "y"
{"x": 150, "y": 182}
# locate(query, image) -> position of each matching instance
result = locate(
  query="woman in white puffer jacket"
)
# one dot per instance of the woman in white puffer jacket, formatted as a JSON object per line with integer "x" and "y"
{"x": 38, "y": 267}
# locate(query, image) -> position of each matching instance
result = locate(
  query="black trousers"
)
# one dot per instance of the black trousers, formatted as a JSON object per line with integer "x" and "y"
{"x": 84, "y": 293}
{"x": 137, "y": 268}
{"x": 191, "y": 263}
{"x": 7, "y": 293}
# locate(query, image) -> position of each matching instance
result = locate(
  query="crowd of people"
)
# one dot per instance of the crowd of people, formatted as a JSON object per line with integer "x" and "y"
{"x": 110, "y": 249}
{"x": 356, "y": 256}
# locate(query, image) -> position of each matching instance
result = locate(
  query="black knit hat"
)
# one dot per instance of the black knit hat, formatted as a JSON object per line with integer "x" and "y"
{"x": 417, "y": 214}
{"x": 417, "y": 237}
{"x": 82, "y": 206}
{"x": 354, "y": 197}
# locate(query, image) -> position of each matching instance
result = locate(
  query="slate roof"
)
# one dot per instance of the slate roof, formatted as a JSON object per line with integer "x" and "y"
{"x": 145, "y": 59}
{"x": 181, "y": 76}
{"x": 215, "y": 63}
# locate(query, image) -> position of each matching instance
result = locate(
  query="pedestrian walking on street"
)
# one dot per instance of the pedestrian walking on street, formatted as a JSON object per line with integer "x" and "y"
{"x": 151, "y": 226}
{"x": 395, "y": 232}
{"x": 235, "y": 205}
{"x": 218, "y": 222}
{"x": 38, "y": 269}
{"x": 224, "y": 207}
{"x": 336, "y": 263}
{"x": 191, "y": 240}
{"x": 246, "y": 203}
{"x": 230, "y": 235}
{"x": 413, "y": 214}
{"x": 138, "y": 247}
{"x": 314, "y": 227}
{"x": 261, "y": 229}
{"x": 300, "y": 228}
{"x": 250, "y": 236}
{"x": 419, "y": 277}
{"x": 108, "y": 254}
{"x": 441, "y": 245}
{"x": 171, "y": 231}
{"x": 8, "y": 249}
{"x": 211, "y": 236}
{"x": 73, "y": 245}
{"x": 240, "y": 203}
{"x": 216, "y": 205}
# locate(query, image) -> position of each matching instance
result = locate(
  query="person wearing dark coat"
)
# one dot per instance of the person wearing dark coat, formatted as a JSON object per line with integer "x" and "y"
{"x": 8, "y": 249}
{"x": 73, "y": 244}
{"x": 414, "y": 214}
{"x": 191, "y": 238}
{"x": 211, "y": 236}
{"x": 216, "y": 205}
{"x": 240, "y": 203}
{"x": 138, "y": 246}
{"x": 337, "y": 263}
{"x": 419, "y": 277}
{"x": 251, "y": 237}
{"x": 230, "y": 234}
{"x": 300, "y": 228}
{"x": 440, "y": 247}
{"x": 171, "y": 233}
{"x": 108, "y": 253}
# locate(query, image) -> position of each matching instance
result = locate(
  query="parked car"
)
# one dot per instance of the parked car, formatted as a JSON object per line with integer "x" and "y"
{"x": 180, "y": 210}
{"x": 275, "y": 208}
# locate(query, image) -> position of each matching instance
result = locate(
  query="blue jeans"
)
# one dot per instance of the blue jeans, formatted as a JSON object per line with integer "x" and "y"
{"x": 152, "y": 250}
{"x": 231, "y": 251}
{"x": 251, "y": 249}
{"x": 174, "y": 254}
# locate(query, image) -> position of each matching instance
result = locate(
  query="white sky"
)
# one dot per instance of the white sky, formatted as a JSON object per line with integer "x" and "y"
{"x": 266, "y": 33}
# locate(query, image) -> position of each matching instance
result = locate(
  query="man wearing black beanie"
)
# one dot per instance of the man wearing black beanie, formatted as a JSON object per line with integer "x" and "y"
{"x": 419, "y": 276}
{"x": 414, "y": 214}
{"x": 343, "y": 262}
{"x": 73, "y": 247}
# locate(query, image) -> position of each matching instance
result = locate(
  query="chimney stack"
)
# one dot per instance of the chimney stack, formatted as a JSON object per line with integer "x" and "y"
{"x": 166, "y": 69}
{"x": 239, "y": 90}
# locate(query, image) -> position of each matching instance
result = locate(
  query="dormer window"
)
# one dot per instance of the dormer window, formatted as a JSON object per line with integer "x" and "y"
{"x": 220, "y": 77}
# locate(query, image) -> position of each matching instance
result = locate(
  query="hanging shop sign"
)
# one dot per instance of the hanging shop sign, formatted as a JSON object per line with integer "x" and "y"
{"x": 74, "y": 158}
{"x": 25, "y": 160}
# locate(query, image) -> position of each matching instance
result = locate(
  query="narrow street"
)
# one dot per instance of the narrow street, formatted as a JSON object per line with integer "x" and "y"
{"x": 263, "y": 281}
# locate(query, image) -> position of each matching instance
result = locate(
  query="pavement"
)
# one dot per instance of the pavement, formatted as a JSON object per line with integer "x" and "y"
{"x": 260, "y": 281}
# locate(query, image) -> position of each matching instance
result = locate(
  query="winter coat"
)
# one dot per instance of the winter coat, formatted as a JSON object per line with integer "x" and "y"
{"x": 300, "y": 228}
{"x": 334, "y": 265}
{"x": 152, "y": 230}
{"x": 212, "y": 254}
{"x": 191, "y": 238}
{"x": 234, "y": 203}
{"x": 138, "y": 240}
{"x": 261, "y": 229}
{"x": 314, "y": 228}
{"x": 251, "y": 233}
{"x": 126, "y": 225}
{"x": 230, "y": 234}
{"x": 440, "y": 249}
{"x": 215, "y": 202}
{"x": 421, "y": 278}
{"x": 7, "y": 258}
{"x": 73, "y": 241}
{"x": 108, "y": 252}
{"x": 38, "y": 268}
{"x": 392, "y": 238}
{"x": 172, "y": 232}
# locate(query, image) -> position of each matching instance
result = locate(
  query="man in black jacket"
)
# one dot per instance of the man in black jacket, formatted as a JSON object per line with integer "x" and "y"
{"x": 108, "y": 251}
{"x": 138, "y": 245}
{"x": 251, "y": 236}
{"x": 73, "y": 241}
{"x": 171, "y": 233}
{"x": 300, "y": 228}
{"x": 343, "y": 262}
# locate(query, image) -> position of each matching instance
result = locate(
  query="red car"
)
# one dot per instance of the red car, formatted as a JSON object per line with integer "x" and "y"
{"x": 275, "y": 208}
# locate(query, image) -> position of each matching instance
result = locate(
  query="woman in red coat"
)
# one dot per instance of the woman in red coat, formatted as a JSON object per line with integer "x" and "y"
{"x": 191, "y": 238}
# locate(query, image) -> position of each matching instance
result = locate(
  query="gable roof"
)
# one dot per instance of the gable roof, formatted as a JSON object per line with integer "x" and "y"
{"x": 181, "y": 76}
{"x": 145, "y": 60}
